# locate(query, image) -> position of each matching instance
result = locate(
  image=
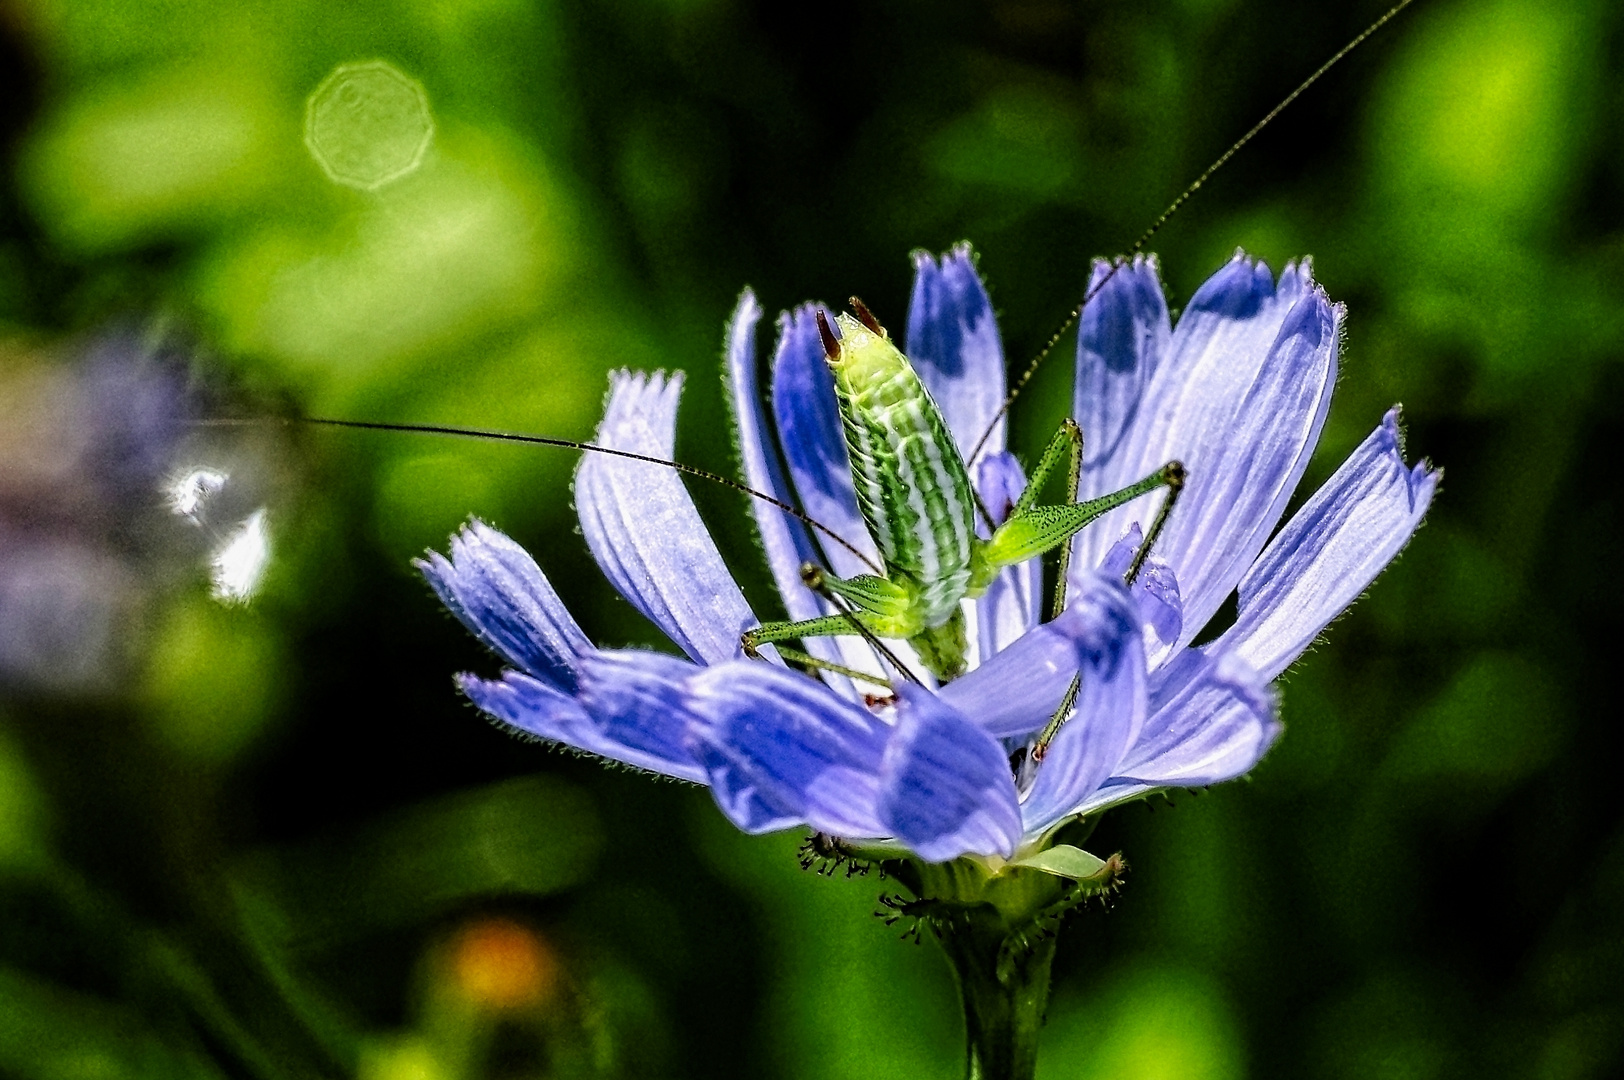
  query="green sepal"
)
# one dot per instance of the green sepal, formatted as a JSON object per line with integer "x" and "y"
{"x": 1074, "y": 863}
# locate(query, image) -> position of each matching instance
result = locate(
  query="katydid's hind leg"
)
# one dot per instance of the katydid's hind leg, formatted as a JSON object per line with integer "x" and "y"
{"x": 1175, "y": 476}
{"x": 1037, "y": 529}
{"x": 1069, "y": 436}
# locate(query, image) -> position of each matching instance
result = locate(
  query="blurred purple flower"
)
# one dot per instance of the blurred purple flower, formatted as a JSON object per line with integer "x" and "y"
{"x": 1238, "y": 390}
{"x": 89, "y": 443}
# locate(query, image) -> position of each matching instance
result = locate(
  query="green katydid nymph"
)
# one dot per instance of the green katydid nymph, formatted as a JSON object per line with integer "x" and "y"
{"x": 914, "y": 493}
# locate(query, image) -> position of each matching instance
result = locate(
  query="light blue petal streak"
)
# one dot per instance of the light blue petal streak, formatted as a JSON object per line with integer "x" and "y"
{"x": 1109, "y": 711}
{"x": 946, "y": 788}
{"x": 1330, "y": 551}
{"x": 1212, "y": 717}
{"x": 785, "y": 540}
{"x": 643, "y": 529}
{"x": 780, "y": 749}
{"x": 496, "y": 589}
{"x": 954, "y": 345}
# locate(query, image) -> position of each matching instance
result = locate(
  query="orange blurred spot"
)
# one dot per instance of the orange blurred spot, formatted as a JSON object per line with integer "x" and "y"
{"x": 501, "y": 964}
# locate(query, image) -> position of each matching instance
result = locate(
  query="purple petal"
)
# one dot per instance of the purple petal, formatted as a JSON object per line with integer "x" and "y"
{"x": 1014, "y": 693}
{"x": 1110, "y": 707}
{"x": 1211, "y": 719}
{"x": 946, "y": 789}
{"x": 1156, "y": 588}
{"x": 810, "y": 433}
{"x": 1239, "y": 398}
{"x": 785, "y": 540}
{"x": 644, "y": 531}
{"x": 781, "y": 749}
{"x": 954, "y": 346}
{"x": 1122, "y": 337}
{"x": 536, "y": 708}
{"x": 637, "y": 700}
{"x": 1330, "y": 551}
{"x": 1248, "y": 468}
{"x": 496, "y": 589}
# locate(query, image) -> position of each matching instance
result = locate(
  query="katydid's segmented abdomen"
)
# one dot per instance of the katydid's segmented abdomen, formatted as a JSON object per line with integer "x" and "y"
{"x": 912, "y": 487}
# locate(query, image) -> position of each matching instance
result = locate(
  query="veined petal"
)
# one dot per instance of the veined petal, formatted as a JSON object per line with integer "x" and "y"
{"x": 1240, "y": 399}
{"x": 1330, "y": 551}
{"x": 781, "y": 749}
{"x": 1122, "y": 337}
{"x": 784, "y": 539}
{"x": 644, "y": 531}
{"x": 1109, "y": 711}
{"x": 1015, "y": 692}
{"x": 1156, "y": 589}
{"x": 637, "y": 700}
{"x": 496, "y": 589}
{"x": 1211, "y": 719}
{"x": 532, "y": 707}
{"x": 945, "y": 787}
{"x": 1247, "y": 470}
{"x": 810, "y": 433}
{"x": 954, "y": 346}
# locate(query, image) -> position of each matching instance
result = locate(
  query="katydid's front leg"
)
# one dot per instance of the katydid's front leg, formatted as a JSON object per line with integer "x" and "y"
{"x": 878, "y": 608}
{"x": 774, "y": 633}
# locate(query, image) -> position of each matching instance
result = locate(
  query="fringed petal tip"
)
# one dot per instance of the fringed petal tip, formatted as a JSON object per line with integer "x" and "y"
{"x": 954, "y": 346}
{"x": 1145, "y": 267}
{"x": 961, "y": 252}
{"x": 639, "y": 409}
{"x": 493, "y": 586}
{"x": 1423, "y": 477}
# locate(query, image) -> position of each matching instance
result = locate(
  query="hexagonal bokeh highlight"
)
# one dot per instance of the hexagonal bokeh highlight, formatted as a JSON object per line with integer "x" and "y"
{"x": 368, "y": 124}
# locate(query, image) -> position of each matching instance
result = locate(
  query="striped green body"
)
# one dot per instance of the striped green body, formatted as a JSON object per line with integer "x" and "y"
{"x": 912, "y": 486}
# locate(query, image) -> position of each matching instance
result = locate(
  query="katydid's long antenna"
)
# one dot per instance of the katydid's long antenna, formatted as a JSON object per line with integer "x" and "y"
{"x": 566, "y": 444}
{"x": 1173, "y": 208}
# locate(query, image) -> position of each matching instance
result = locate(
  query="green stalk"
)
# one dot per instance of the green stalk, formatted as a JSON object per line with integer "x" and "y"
{"x": 998, "y": 922}
{"x": 1005, "y": 986}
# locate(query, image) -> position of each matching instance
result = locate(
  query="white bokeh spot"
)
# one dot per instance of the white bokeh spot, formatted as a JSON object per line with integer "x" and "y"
{"x": 239, "y": 563}
{"x": 187, "y": 493}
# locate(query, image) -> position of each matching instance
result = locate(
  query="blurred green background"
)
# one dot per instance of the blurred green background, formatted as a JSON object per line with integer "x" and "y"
{"x": 278, "y": 844}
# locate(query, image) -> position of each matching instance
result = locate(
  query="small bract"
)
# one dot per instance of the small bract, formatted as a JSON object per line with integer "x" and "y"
{"x": 368, "y": 124}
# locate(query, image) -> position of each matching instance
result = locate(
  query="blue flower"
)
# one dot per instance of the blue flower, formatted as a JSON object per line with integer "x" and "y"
{"x": 1238, "y": 390}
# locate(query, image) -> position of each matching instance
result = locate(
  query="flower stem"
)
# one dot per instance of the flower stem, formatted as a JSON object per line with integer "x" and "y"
{"x": 1004, "y": 980}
